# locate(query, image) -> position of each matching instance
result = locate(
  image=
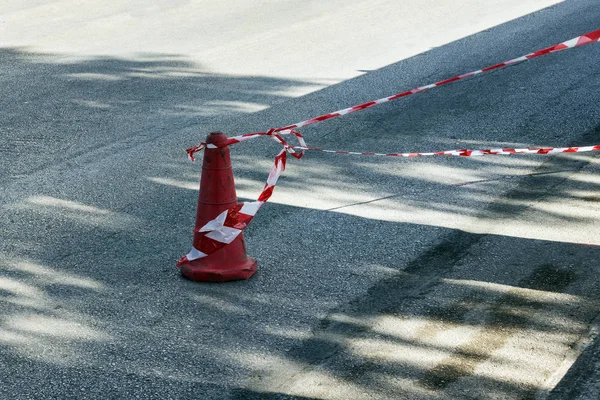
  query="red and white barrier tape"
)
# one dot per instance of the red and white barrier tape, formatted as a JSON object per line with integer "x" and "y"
{"x": 273, "y": 133}
{"x": 223, "y": 230}
{"x": 590, "y": 37}
{"x": 229, "y": 224}
{"x": 465, "y": 152}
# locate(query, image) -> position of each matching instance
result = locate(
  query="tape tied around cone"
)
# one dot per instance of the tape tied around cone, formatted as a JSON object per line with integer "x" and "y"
{"x": 228, "y": 225}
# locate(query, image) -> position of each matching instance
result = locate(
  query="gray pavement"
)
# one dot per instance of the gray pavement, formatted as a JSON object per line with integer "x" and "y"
{"x": 378, "y": 278}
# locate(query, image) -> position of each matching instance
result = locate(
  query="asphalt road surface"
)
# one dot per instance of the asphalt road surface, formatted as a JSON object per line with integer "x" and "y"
{"x": 379, "y": 278}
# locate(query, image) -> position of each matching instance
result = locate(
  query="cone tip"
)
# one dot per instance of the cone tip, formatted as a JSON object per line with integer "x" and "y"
{"x": 216, "y": 137}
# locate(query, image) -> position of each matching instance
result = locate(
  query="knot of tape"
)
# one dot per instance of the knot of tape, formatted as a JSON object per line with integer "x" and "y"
{"x": 287, "y": 147}
{"x": 194, "y": 149}
{"x": 275, "y": 134}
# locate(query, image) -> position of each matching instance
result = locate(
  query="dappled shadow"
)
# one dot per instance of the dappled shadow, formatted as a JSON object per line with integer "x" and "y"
{"x": 451, "y": 316}
{"x": 379, "y": 277}
{"x": 64, "y": 109}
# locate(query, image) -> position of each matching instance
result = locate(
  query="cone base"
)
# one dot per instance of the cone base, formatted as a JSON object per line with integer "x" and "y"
{"x": 199, "y": 271}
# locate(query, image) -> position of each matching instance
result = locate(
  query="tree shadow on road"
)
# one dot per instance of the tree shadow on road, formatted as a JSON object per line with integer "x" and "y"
{"x": 66, "y": 108}
{"x": 359, "y": 251}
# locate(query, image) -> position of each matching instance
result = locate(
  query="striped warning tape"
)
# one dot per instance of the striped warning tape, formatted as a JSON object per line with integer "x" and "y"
{"x": 464, "y": 152}
{"x": 223, "y": 230}
{"x": 229, "y": 224}
{"x": 587, "y": 38}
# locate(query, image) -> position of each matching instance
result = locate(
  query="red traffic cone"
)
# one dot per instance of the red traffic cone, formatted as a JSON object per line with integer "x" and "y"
{"x": 217, "y": 194}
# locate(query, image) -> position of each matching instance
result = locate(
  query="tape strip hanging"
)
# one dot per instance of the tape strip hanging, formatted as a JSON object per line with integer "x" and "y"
{"x": 228, "y": 225}
{"x": 587, "y": 38}
{"x": 222, "y": 230}
{"x": 274, "y": 133}
{"x": 582, "y": 40}
{"x": 465, "y": 152}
